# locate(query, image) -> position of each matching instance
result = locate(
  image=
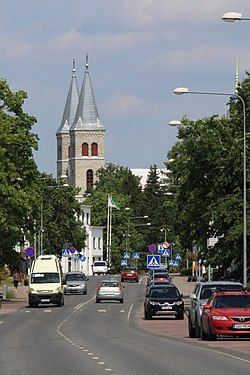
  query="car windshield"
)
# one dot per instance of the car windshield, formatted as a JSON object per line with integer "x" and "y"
{"x": 164, "y": 293}
{"x": 75, "y": 277}
{"x": 208, "y": 290}
{"x": 109, "y": 284}
{"x": 43, "y": 278}
{"x": 240, "y": 301}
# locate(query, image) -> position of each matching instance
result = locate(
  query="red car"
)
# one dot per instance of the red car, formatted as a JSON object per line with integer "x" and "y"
{"x": 226, "y": 313}
{"x": 130, "y": 274}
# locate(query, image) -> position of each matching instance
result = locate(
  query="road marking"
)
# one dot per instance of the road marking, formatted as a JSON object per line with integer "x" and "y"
{"x": 47, "y": 311}
{"x": 226, "y": 354}
{"x": 27, "y": 311}
{"x": 90, "y": 353}
{"x": 95, "y": 357}
{"x": 1, "y": 322}
{"x": 108, "y": 369}
{"x": 101, "y": 363}
{"x": 99, "y": 310}
{"x": 122, "y": 311}
{"x": 129, "y": 312}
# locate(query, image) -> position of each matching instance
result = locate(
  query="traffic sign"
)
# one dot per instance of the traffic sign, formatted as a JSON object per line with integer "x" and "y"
{"x": 153, "y": 261}
{"x": 72, "y": 250}
{"x": 126, "y": 255}
{"x": 178, "y": 257}
{"x": 165, "y": 253}
{"x": 136, "y": 255}
{"x": 65, "y": 252}
{"x": 82, "y": 257}
{"x": 123, "y": 262}
{"x": 166, "y": 245}
{"x": 152, "y": 248}
{"x": 29, "y": 252}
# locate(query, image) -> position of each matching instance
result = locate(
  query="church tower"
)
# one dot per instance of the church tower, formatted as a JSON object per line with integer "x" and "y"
{"x": 62, "y": 134}
{"x": 87, "y": 139}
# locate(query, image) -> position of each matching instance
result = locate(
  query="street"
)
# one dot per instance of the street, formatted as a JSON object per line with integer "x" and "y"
{"x": 88, "y": 338}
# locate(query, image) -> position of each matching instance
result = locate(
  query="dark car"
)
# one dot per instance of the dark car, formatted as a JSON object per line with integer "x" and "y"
{"x": 163, "y": 299}
{"x": 226, "y": 314}
{"x": 130, "y": 274}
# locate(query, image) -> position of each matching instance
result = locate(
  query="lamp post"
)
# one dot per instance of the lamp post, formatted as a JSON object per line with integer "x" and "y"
{"x": 184, "y": 90}
{"x": 233, "y": 16}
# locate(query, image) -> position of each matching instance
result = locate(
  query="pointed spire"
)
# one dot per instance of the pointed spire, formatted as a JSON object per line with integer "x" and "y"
{"x": 236, "y": 84}
{"x": 87, "y": 117}
{"x": 71, "y": 104}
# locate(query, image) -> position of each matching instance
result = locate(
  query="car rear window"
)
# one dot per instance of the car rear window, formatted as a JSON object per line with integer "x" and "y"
{"x": 208, "y": 290}
{"x": 111, "y": 284}
{"x": 101, "y": 264}
{"x": 164, "y": 293}
{"x": 130, "y": 269}
{"x": 240, "y": 301}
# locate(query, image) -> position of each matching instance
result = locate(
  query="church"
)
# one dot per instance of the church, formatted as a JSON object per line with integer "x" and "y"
{"x": 80, "y": 153}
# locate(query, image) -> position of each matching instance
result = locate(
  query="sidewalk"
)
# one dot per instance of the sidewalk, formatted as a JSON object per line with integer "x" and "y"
{"x": 19, "y": 301}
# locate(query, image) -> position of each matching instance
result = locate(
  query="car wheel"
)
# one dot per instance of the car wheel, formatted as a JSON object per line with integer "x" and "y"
{"x": 204, "y": 335}
{"x": 180, "y": 316}
{"x": 191, "y": 329}
{"x": 147, "y": 315}
{"x": 211, "y": 336}
{"x": 97, "y": 300}
{"x": 121, "y": 300}
{"x": 122, "y": 280}
{"x": 85, "y": 292}
{"x": 197, "y": 329}
{"x": 137, "y": 281}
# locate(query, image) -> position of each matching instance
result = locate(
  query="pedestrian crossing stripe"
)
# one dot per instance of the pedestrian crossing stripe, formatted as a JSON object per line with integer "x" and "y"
{"x": 153, "y": 261}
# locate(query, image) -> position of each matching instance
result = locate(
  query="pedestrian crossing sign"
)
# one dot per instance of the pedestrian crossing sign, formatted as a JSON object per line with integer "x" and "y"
{"x": 153, "y": 261}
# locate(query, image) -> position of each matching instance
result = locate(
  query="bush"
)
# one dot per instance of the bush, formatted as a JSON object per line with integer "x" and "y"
{"x": 10, "y": 294}
{"x": 4, "y": 273}
{"x": 186, "y": 271}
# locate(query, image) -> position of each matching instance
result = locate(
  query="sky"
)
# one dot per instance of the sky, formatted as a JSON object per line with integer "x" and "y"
{"x": 139, "y": 52}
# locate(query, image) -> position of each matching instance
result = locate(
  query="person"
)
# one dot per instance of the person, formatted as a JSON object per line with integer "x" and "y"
{"x": 15, "y": 280}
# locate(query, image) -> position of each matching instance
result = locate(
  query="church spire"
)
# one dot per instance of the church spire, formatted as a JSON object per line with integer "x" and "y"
{"x": 87, "y": 117}
{"x": 71, "y": 104}
{"x": 236, "y": 84}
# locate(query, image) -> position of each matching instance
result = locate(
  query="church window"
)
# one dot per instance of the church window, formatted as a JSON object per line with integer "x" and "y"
{"x": 85, "y": 149}
{"x": 94, "y": 149}
{"x": 90, "y": 179}
{"x": 69, "y": 152}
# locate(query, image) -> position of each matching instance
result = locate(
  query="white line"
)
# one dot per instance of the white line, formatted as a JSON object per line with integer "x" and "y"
{"x": 27, "y": 311}
{"x": 129, "y": 312}
{"x": 122, "y": 311}
{"x": 99, "y": 310}
{"x": 225, "y": 354}
{"x": 46, "y": 311}
{"x": 1, "y": 322}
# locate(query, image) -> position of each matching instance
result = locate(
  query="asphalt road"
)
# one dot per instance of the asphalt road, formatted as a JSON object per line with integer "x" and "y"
{"x": 106, "y": 338}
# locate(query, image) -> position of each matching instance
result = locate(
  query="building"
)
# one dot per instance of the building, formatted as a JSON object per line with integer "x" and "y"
{"x": 165, "y": 176}
{"x": 80, "y": 153}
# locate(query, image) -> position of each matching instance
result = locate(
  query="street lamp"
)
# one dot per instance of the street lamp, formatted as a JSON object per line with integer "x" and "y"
{"x": 185, "y": 90}
{"x": 233, "y": 16}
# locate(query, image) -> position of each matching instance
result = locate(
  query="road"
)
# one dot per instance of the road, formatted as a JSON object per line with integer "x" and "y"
{"x": 107, "y": 338}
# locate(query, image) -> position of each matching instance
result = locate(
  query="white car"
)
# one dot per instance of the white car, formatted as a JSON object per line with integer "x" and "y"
{"x": 110, "y": 290}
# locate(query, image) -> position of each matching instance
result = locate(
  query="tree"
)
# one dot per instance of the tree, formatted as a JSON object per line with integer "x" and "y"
{"x": 18, "y": 170}
{"x": 207, "y": 165}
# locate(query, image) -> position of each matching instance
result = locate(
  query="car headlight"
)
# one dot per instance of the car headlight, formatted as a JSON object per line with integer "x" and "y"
{"x": 153, "y": 303}
{"x": 33, "y": 291}
{"x": 178, "y": 303}
{"x": 218, "y": 317}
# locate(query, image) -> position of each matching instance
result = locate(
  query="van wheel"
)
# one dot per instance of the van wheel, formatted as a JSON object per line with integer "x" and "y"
{"x": 191, "y": 329}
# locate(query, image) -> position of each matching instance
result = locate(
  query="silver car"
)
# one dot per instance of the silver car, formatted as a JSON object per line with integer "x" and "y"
{"x": 75, "y": 282}
{"x": 110, "y": 290}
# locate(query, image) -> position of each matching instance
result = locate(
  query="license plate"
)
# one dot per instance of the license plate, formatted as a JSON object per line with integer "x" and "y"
{"x": 109, "y": 295}
{"x": 45, "y": 300}
{"x": 166, "y": 308}
{"x": 241, "y": 326}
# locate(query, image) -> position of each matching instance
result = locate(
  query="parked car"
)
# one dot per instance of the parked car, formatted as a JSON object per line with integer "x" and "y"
{"x": 130, "y": 274}
{"x": 159, "y": 276}
{"x": 100, "y": 267}
{"x": 200, "y": 296}
{"x": 163, "y": 299}
{"x": 226, "y": 313}
{"x": 75, "y": 282}
{"x": 110, "y": 290}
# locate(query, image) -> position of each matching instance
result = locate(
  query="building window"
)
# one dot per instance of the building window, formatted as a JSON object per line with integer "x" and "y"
{"x": 94, "y": 149}
{"x": 85, "y": 149}
{"x": 69, "y": 152}
{"x": 90, "y": 179}
{"x": 94, "y": 243}
{"x": 87, "y": 220}
{"x": 99, "y": 243}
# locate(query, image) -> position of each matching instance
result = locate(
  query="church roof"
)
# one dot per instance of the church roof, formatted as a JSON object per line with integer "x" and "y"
{"x": 71, "y": 104}
{"x": 87, "y": 117}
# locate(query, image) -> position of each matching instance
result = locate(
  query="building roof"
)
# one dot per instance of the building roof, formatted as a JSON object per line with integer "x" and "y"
{"x": 164, "y": 175}
{"x": 71, "y": 104}
{"x": 87, "y": 117}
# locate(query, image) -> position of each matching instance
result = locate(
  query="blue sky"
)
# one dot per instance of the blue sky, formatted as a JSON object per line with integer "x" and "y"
{"x": 139, "y": 52}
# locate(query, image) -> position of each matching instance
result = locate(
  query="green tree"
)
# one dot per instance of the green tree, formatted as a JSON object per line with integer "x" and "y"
{"x": 18, "y": 170}
{"x": 207, "y": 165}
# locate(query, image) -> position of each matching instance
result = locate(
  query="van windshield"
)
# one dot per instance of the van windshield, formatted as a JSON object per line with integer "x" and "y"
{"x": 102, "y": 264}
{"x": 46, "y": 277}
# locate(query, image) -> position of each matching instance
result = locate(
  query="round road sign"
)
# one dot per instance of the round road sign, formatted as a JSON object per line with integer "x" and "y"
{"x": 152, "y": 248}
